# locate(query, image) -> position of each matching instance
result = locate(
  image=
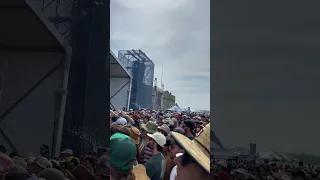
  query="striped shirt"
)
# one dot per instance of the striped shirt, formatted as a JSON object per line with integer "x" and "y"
{"x": 147, "y": 154}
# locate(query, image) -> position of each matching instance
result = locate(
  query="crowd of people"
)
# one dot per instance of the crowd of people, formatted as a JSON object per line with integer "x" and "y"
{"x": 45, "y": 167}
{"x": 263, "y": 169}
{"x": 144, "y": 145}
{"x": 159, "y": 145}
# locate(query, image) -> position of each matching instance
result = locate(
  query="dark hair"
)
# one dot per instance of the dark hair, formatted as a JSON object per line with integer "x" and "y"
{"x": 190, "y": 124}
{"x": 186, "y": 159}
{"x": 298, "y": 173}
{"x": 159, "y": 148}
{"x": 13, "y": 154}
{"x": 3, "y": 149}
{"x": 171, "y": 127}
{"x": 16, "y": 176}
{"x": 114, "y": 118}
{"x": 45, "y": 146}
{"x": 301, "y": 163}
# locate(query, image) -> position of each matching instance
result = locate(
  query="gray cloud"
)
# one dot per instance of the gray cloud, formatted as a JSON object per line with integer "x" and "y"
{"x": 266, "y": 75}
{"x": 175, "y": 35}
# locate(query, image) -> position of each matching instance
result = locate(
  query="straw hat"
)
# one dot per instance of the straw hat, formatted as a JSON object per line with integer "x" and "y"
{"x": 199, "y": 148}
{"x": 19, "y": 162}
{"x": 135, "y": 134}
{"x": 140, "y": 172}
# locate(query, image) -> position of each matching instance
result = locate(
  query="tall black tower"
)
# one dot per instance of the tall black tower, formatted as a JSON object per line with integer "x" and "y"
{"x": 85, "y": 26}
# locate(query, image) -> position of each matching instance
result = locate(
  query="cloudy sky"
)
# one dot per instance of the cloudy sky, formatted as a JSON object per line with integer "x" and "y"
{"x": 175, "y": 35}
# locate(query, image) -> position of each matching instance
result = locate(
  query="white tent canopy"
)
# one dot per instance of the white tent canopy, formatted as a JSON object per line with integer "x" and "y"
{"x": 219, "y": 153}
{"x": 241, "y": 151}
{"x": 175, "y": 108}
{"x": 275, "y": 156}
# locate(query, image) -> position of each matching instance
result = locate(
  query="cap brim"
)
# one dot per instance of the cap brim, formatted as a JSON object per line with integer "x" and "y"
{"x": 150, "y": 135}
{"x": 193, "y": 149}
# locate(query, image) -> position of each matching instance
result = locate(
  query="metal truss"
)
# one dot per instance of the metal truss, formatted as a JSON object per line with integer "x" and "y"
{"x": 141, "y": 68}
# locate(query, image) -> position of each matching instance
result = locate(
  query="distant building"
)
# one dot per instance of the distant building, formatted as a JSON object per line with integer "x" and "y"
{"x": 162, "y": 99}
{"x": 156, "y": 98}
{"x": 168, "y": 100}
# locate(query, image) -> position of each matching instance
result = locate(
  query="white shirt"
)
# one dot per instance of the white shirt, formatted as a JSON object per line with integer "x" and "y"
{"x": 173, "y": 173}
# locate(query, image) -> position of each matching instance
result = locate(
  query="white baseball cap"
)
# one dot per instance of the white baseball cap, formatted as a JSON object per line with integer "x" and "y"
{"x": 158, "y": 137}
{"x": 67, "y": 151}
{"x": 121, "y": 121}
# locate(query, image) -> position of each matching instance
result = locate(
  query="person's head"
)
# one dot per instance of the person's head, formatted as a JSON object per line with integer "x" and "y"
{"x": 175, "y": 122}
{"x": 274, "y": 167}
{"x": 51, "y": 174}
{"x": 156, "y": 141}
{"x": 13, "y": 154}
{"x": 150, "y": 127}
{"x": 3, "y": 149}
{"x": 159, "y": 120}
{"x": 188, "y": 126}
{"x": 102, "y": 171}
{"x": 221, "y": 176}
{"x": 189, "y": 169}
{"x": 193, "y": 160}
{"x": 89, "y": 162}
{"x": 179, "y": 130}
{"x": 123, "y": 155}
{"x": 44, "y": 150}
{"x": 199, "y": 128}
{"x": 66, "y": 153}
{"x": 164, "y": 129}
{"x": 114, "y": 118}
{"x": 174, "y": 148}
{"x": 135, "y": 135}
{"x": 300, "y": 163}
{"x": 18, "y": 161}
{"x": 17, "y": 173}
{"x": 37, "y": 165}
{"x": 298, "y": 174}
{"x": 166, "y": 147}
{"x": 146, "y": 119}
{"x": 114, "y": 128}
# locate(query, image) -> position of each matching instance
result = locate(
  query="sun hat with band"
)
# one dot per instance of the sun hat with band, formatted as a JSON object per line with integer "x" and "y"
{"x": 199, "y": 148}
{"x": 122, "y": 151}
{"x": 135, "y": 134}
{"x": 150, "y": 127}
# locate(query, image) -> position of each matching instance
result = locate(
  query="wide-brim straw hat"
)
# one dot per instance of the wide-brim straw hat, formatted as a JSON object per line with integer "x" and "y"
{"x": 135, "y": 134}
{"x": 140, "y": 172}
{"x": 199, "y": 148}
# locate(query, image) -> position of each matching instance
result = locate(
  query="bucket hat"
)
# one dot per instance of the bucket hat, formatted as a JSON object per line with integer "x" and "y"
{"x": 150, "y": 127}
{"x": 135, "y": 134}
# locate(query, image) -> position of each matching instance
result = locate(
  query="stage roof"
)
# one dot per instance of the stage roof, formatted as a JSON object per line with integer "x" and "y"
{"x": 27, "y": 30}
{"x": 116, "y": 69}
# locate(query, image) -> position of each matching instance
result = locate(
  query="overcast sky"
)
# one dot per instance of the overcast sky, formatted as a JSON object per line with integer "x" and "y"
{"x": 173, "y": 34}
